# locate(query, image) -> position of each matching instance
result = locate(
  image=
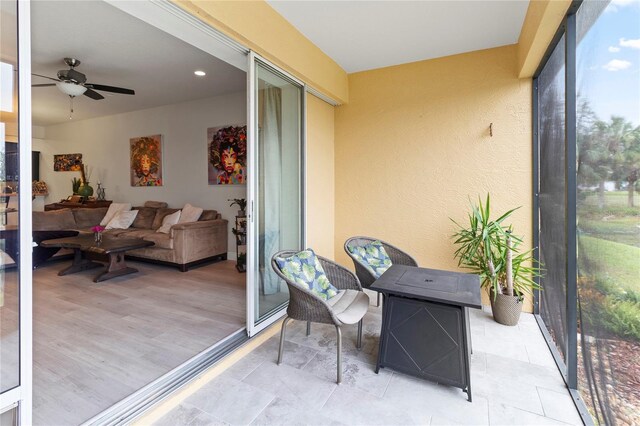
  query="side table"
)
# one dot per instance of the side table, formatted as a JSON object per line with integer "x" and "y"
{"x": 425, "y": 323}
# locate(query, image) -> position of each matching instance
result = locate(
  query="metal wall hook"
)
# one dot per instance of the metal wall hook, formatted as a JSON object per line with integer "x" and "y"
{"x": 491, "y": 129}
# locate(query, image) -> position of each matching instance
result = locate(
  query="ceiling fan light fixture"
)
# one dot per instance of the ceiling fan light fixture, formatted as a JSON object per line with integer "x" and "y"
{"x": 71, "y": 89}
{"x": 200, "y": 73}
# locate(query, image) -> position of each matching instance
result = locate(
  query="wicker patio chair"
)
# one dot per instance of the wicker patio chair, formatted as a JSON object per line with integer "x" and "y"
{"x": 348, "y": 307}
{"x": 366, "y": 277}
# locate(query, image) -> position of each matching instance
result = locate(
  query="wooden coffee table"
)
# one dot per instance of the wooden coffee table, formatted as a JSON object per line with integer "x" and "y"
{"x": 88, "y": 254}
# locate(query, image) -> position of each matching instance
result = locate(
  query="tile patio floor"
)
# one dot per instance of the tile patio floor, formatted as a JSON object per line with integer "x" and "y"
{"x": 513, "y": 378}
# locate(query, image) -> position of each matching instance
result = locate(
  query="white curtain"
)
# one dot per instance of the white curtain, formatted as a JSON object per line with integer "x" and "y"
{"x": 270, "y": 154}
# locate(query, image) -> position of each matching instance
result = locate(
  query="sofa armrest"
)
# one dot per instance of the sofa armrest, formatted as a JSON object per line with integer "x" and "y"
{"x": 200, "y": 224}
{"x": 199, "y": 240}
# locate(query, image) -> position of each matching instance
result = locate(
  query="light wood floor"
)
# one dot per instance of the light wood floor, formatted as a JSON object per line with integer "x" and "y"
{"x": 94, "y": 344}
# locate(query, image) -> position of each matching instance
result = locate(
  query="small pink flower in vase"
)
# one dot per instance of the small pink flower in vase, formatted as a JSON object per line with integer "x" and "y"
{"x": 97, "y": 233}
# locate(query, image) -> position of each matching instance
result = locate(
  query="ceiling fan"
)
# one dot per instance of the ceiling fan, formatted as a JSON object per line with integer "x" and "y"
{"x": 73, "y": 83}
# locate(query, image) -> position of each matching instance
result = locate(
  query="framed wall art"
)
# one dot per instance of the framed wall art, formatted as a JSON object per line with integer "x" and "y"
{"x": 146, "y": 160}
{"x": 67, "y": 162}
{"x": 227, "y": 153}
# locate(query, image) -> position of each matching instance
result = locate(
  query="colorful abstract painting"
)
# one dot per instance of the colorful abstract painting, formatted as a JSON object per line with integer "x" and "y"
{"x": 227, "y": 155}
{"x": 67, "y": 162}
{"x": 146, "y": 160}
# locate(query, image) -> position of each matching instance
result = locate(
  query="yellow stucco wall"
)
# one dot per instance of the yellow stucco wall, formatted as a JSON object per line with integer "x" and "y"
{"x": 413, "y": 145}
{"x": 320, "y": 177}
{"x": 259, "y": 27}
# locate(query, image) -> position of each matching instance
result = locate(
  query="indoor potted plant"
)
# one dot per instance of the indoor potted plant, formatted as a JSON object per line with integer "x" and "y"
{"x": 241, "y": 203}
{"x": 488, "y": 248}
{"x": 85, "y": 189}
{"x": 75, "y": 185}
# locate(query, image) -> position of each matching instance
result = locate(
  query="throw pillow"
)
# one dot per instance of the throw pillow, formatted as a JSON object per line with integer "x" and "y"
{"x": 168, "y": 221}
{"x": 305, "y": 269}
{"x": 160, "y": 214}
{"x": 114, "y": 208}
{"x": 373, "y": 256}
{"x": 190, "y": 214}
{"x": 122, "y": 220}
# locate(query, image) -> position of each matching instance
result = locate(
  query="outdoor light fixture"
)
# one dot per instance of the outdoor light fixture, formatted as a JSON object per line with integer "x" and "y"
{"x": 200, "y": 73}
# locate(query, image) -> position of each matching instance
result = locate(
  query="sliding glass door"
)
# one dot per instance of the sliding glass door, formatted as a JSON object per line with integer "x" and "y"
{"x": 275, "y": 191}
{"x": 15, "y": 213}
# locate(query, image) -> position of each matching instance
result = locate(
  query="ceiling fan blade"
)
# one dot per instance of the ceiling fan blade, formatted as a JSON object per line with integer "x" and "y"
{"x": 44, "y": 76}
{"x": 43, "y": 85}
{"x": 93, "y": 95}
{"x": 112, "y": 89}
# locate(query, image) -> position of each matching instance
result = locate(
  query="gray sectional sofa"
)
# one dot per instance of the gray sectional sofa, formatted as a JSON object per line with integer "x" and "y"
{"x": 185, "y": 245}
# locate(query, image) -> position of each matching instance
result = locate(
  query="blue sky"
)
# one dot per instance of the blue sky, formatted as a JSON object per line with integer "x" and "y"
{"x": 609, "y": 62}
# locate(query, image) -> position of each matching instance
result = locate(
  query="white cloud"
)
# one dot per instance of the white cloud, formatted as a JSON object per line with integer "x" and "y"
{"x": 616, "y": 4}
{"x": 633, "y": 43}
{"x": 614, "y": 49}
{"x": 622, "y": 2}
{"x": 616, "y": 65}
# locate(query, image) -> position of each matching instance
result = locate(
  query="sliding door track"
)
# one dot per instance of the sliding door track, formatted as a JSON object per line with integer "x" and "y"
{"x": 133, "y": 406}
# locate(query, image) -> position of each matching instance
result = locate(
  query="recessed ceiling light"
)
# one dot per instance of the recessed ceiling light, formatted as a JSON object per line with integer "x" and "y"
{"x": 200, "y": 73}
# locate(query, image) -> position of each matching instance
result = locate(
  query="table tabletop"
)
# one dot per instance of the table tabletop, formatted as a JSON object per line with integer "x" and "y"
{"x": 434, "y": 285}
{"x": 108, "y": 245}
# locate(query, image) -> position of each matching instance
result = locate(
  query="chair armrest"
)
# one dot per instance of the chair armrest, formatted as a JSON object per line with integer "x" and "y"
{"x": 307, "y": 306}
{"x": 339, "y": 276}
{"x": 398, "y": 257}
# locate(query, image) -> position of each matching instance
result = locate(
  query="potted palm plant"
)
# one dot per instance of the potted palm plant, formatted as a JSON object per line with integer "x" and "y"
{"x": 241, "y": 203}
{"x": 489, "y": 248}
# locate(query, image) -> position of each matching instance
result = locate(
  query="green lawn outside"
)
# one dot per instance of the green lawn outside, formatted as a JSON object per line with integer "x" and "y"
{"x": 616, "y": 261}
{"x": 624, "y": 230}
{"x": 611, "y": 198}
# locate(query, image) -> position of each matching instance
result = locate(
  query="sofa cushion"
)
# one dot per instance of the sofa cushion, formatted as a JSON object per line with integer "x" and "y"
{"x": 86, "y": 218}
{"x": 136, "y": 233}
{"x": 349, "y": 305}
{"x": 161, "y": 240}
{"x": 117, "y": 232}
{"x": 208, "y": 215}
{"x": 122, "y": 219}
{"x": 190, "y": 213}
{"x": 114, "y": 208}
{"x": 156, "y": 204}
{"x": 160, "y": 214}
{"x": 144, "y": 219}
{"x": 56, "y": 220}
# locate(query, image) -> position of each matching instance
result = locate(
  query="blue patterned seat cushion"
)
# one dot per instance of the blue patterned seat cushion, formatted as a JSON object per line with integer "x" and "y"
{"x": 373, "y": 256}
{"x": 304, "y": 268}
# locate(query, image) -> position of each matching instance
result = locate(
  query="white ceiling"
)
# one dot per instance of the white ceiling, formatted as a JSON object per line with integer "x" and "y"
{"x": 363, "y": 35}
{"x": 117, "y": 49}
